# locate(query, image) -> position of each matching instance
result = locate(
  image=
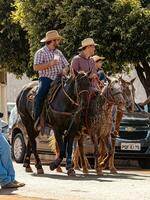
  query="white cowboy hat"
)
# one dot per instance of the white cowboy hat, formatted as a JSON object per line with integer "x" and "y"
{"x": 87, "y": 42}
{"x": 97, "y": 58}
{"x": 51, "y": 35}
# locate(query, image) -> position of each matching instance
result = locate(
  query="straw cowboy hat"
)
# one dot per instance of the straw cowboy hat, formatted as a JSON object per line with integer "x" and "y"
{"x": 97, "y": 58}
{"x": 51, "y": 35}
{"x": 87, "y": 42}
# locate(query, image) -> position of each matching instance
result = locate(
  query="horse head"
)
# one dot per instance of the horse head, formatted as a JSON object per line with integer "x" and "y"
{"x": 81, "y": 89}
{"x": 113, "y": 93}
{"x": 128, "y": 93}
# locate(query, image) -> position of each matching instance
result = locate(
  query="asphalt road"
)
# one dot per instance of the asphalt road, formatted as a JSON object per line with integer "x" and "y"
{"x": 128, "y": 184}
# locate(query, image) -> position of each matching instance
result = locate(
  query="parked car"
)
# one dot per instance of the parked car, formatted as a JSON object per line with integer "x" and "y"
{"x": 18, "y": 139}
{"x": 134, "y": 137}
{"x": 133, "y": 142}
{"x": 10, "y": 106}
{"x": 4, "y": 126}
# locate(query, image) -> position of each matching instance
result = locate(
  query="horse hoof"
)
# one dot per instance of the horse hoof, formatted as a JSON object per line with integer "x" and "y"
{"x": 77, "y": 168}
{"x": 29, "y": 169}
{"x": 52, "y": 166}
{"x": 59, "y": 169}
{"x": 99, "y": 173}
{"x": 113, "y": 171}
{"x": 71, "y": 172}
{"x": 85, "y": 171}
{"x": 40, "y": 171}
{"x": 26, "y": 165}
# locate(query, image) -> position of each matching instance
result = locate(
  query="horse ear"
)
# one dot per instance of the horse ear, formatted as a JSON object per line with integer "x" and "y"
{"x": 122, "y": 80}
{"x": 133, "y": 80}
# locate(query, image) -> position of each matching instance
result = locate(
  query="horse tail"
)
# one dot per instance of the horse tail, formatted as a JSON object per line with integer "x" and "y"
{"x": 52, "y": 144}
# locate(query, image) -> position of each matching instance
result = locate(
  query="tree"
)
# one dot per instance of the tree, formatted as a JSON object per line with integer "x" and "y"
{"x": 121, "y": 28}
{"x": 13, "y": 43}
{"x": 36, "y": 18}
{"x": 134, "y": 33}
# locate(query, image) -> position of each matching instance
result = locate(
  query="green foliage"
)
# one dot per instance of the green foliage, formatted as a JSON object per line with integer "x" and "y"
{"x": 120, "y": 27}
{"x": 36, "y": 17}
{"x": 13, "y": 43}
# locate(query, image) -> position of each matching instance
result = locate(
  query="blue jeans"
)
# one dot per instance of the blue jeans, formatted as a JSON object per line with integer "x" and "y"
{"x": 44, "y": 86}
{"x": 7, "y": 172}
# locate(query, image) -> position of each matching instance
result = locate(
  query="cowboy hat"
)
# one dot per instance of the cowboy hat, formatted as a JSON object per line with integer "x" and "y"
{"x": 51, "y": 35}
{"x": 87, "y": 42}
{"x": 97, "y": 58}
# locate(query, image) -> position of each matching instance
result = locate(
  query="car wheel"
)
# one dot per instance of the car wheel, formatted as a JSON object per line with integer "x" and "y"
{"x": 18, "y": 148}
{"x": 144, "y": 163}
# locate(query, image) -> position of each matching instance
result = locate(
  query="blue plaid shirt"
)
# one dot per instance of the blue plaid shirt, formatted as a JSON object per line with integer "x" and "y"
{"x": 43, "y": 56}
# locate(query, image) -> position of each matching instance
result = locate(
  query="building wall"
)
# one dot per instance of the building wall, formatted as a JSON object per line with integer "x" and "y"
{"x": 140, "y": 94}
{"x": 14, "y": 86}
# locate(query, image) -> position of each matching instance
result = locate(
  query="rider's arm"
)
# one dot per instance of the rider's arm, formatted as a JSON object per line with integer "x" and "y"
{"x": 74, "y": 65}
{"x": 41, "y": 64}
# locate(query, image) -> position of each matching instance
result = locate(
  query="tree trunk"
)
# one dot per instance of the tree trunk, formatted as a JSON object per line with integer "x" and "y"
{"x": 143, "y": 72}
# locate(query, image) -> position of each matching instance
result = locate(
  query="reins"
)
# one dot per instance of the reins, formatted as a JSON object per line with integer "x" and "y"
{"x": 78, "y": 93}
{"x": 72, "y": 101}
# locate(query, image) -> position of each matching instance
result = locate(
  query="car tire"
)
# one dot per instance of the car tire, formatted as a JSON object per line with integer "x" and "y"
{"x": 144, "y": 163}
{"x": 18, "y": 148}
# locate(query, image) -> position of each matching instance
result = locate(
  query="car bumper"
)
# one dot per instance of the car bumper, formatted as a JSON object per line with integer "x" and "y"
{"x": 132, "y": 154}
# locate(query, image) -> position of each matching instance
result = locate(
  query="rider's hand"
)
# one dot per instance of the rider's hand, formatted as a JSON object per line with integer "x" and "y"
{"x": 54, "y": 62}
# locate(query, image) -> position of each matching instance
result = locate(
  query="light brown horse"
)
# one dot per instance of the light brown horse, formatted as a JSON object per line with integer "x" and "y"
{"x": 106, "y": 130}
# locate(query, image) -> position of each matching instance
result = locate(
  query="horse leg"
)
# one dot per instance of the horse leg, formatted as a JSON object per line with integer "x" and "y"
{"x": 26, "y": 162}
{"x": 61, "y": 146}
{"x": 58, "y": 169}
{"x": 96, "y": 150}
{"x": 82, "y": 155}
{"x": 32, "y": 134}
{"x": 112, "y": 168}
{"x": 69, "y": 166}
{"x": 108, "y": 145}
{"x": 76, "y": 155}
{"x": 38, "y": 164}
{"x": 102, "y": 155}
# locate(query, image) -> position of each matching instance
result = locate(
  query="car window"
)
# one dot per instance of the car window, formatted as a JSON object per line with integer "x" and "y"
{"x": 12, "y": 117}
{"x": 10, "y": 106}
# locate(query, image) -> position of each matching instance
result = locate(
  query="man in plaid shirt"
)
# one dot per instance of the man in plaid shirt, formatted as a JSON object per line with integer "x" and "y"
{"x": 49, "y": 62}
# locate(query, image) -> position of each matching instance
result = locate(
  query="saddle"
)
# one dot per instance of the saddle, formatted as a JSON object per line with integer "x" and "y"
{"x": 54, "y": 88}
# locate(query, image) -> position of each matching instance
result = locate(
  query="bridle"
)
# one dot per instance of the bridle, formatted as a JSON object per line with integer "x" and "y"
{"x": 78, "y": 93}
{"x": 109, "y": 96}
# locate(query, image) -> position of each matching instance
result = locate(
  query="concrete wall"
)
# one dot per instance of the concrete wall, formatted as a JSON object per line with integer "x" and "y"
{"x": 140, "y": 94}
{"x": 14, "y": 86}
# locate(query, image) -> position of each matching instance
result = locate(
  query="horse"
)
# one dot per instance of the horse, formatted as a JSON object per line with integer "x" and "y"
{"x": 99, "y": 109}
{"x": 63, "y": 112}
{"x": 128, "y": 92}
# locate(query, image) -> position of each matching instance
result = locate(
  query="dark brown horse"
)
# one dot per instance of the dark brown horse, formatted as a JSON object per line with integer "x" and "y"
{"x": 63, "y": 114}
{"x": 98, "y": 112}
{"x": 100, "y": 124}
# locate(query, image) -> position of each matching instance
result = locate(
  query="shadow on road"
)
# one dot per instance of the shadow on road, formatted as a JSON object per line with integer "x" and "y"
{"x": 107, "y": 177}
{"x": 8, "y": 191}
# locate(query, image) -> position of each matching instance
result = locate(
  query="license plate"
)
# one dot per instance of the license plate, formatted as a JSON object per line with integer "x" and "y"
{"x": 131, "y": 146}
